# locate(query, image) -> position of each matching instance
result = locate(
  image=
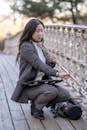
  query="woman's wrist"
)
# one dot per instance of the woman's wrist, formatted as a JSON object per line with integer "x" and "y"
{"x": 57, "y": 74}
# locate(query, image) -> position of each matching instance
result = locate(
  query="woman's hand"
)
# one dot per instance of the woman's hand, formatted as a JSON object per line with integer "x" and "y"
{"x": 51, "y": 59}
{"x": 63, "y": 75}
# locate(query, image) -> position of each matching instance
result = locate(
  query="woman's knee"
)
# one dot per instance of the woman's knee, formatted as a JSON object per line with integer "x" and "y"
{"x": 51, "y": 92}
{"x": 63, "y": 93}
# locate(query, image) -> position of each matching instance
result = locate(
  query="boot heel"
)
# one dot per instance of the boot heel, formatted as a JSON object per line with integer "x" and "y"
{"x": 39, "y": 114}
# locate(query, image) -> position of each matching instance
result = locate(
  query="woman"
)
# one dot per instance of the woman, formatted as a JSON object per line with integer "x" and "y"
{"x": 36, "y": 64}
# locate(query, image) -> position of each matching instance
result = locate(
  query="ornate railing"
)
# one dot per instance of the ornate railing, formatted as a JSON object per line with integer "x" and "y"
{"x": 69, "y": 44}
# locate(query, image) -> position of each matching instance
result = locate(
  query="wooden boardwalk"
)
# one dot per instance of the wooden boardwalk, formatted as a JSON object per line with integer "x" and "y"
{"x": 14, "y": 116}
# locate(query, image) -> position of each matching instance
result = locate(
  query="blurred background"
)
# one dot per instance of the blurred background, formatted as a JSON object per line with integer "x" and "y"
{"x": 14, "y": 14}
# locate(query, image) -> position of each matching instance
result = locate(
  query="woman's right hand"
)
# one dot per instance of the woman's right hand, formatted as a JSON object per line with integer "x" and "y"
{"x": 63, "y": 75}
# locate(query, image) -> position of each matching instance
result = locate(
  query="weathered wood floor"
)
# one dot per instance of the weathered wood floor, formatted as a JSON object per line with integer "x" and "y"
{"x": 14, "y": 116}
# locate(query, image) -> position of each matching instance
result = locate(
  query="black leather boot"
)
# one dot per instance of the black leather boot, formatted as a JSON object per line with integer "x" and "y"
{"x": 36, "y": 112}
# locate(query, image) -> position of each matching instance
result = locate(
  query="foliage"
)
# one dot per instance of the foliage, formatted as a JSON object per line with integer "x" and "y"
{"x": 47, "y": 8}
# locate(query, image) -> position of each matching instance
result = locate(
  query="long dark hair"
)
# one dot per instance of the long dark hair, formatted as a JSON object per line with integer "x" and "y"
{"x": 28, "y": 32}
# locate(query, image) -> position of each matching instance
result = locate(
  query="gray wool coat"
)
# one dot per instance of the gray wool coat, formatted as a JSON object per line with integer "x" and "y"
{"x": 30, "y": 63}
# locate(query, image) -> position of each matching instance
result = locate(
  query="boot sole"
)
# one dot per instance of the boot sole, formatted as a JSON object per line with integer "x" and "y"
{"x": 38, "y": 117}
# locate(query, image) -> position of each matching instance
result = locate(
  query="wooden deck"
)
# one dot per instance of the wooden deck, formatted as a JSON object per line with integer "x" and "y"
{"x": 14, "y": 116}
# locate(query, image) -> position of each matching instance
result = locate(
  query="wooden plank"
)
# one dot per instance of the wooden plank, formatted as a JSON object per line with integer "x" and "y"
{"x": 8, "y": 86}
{"x": 21, "y": 125}
{"x": 34, "y": 123}
{"x": 9, "y": 90}
{"x": 49, "y": 122}
{"x": 12, "y": 61}
{"x": 1, "y": 125}
{"x": 64, "y": 124}
{"x": 5, "y": 119}
{"x": 2, "y": 94}
{"x": 36, "y": 127}
{"x": 85, "y": 115}
{"x": 80, "y": 124}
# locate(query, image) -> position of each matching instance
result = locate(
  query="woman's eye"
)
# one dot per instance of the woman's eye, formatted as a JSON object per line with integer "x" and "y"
{"x": 39, "y": 31}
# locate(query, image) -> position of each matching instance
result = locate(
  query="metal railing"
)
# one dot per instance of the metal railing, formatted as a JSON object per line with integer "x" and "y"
{"x": 69, "y": 44}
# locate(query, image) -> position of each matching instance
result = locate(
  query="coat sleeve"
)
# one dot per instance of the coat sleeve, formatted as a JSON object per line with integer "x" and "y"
{"x": 27, "y": 51}
{"x": 46, "y": 53}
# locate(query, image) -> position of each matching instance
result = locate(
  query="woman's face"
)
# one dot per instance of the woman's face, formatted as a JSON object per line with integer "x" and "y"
{"x": 38, "y": 34}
